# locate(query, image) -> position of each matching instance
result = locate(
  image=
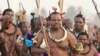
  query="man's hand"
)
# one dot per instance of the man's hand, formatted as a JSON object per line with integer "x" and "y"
{"x": 5, "y": 21}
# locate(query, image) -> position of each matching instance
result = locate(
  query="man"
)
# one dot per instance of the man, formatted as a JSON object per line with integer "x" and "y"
{"x": 8, "y": 35}
{"x": 79, "y": 24}
{"x": 10, "y": 13}
{"x": 88, "y": 49}
{"x": 26, "y": 36}
{"x": 79, "y": 27}
{"x": 58, "y": 38}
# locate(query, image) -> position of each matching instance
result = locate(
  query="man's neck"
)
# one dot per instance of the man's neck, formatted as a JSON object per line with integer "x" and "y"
{"x": 9, "y": 25}
{"x": 85, "y": 46}
{"x": 78, "y": 31}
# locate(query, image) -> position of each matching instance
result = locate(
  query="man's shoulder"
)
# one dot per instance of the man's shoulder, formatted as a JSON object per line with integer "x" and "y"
{"x": 70, "y": 34}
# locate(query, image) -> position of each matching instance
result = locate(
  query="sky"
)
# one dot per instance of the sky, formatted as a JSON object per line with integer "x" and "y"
{"x": 29, "y": 5}
{"x": 86, "y": 6}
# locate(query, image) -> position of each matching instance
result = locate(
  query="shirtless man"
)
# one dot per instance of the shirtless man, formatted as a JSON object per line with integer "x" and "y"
{"x": 22, "y": 40}
{"x": 8, "y": 35}
{"x": 88, "y": 49}
{"x": 79, "y": 24}
{"x": 79, "y": 27}
{"x": 58, "y": 38}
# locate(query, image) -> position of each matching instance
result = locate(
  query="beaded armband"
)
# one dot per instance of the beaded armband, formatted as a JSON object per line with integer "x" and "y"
{"x": 78, "y": 47}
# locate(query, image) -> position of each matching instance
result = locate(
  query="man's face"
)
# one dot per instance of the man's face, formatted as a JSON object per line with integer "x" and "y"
{"x": 56, "y": 21}
{"x": 10, "y": 14}
{"x": 83, "y": 39}
{"x": 79, "y": 24}
{"x": 26, "y": 27}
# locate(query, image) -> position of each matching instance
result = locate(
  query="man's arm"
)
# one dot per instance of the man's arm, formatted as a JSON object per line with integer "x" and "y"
{"x": 72, "y": 39}
{"x": 95, "y": 51}
{"x": 36, "y": 48}
{"x": 18, "y": 32}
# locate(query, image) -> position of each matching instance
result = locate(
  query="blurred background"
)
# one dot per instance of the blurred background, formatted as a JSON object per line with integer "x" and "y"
{"x": 70, "y": 7}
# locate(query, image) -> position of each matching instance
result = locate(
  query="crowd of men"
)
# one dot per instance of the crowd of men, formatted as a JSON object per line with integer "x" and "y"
{"x": 52, "y": 36}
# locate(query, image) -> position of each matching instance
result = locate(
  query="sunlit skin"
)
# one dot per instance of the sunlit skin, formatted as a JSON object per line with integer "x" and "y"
{"x": 10, "y": 34}
{"x": 57, "y": 32}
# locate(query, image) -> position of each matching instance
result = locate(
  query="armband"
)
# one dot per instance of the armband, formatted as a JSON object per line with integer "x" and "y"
{"x": 78, "y": 47}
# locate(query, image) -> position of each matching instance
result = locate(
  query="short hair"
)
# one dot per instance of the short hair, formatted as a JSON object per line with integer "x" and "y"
{"x": 83, "y": 33}
{"x": 6, "y": 10}
{"x": 49, "y": 18}
{"x": 81, "y": 16}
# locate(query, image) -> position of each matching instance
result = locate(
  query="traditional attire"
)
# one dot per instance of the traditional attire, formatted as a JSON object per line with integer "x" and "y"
{"x": 58, "y": 47}
{"x": 8, "y": 46}
{"x": 90, "y": 51}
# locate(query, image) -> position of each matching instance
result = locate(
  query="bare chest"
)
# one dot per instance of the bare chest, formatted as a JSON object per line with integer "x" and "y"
{"x": 88, "y": 52}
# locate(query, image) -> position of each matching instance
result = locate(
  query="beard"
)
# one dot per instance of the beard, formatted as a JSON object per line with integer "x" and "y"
{"x": 56, "y": 27}
{"x": 79, "y": 29}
